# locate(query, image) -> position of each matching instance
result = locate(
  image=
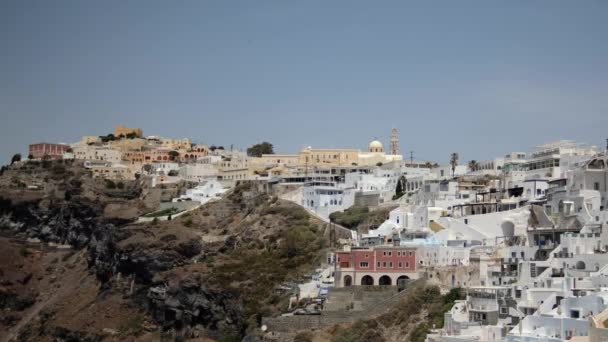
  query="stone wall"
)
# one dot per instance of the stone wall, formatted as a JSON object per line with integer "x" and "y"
{"x": 367, "y": 199}
{"x": 372, "y": 301}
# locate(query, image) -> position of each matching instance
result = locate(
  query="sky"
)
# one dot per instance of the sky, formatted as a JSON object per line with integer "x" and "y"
{"x": 481, "y": 78}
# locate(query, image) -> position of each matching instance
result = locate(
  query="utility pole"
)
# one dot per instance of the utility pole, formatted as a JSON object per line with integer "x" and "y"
{"x": 411, "y": 158}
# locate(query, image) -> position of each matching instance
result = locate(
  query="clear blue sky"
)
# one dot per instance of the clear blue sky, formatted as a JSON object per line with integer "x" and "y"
{"x": 478, "y": 77}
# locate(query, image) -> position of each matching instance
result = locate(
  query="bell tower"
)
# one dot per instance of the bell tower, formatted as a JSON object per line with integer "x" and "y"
{"x": 394, "y": 146}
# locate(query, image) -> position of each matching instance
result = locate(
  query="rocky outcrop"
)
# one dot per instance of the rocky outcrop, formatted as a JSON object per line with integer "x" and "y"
{"x": 61, "y": 222}
{"x": 189, "y": 304}
{"x": 182, "y": 307}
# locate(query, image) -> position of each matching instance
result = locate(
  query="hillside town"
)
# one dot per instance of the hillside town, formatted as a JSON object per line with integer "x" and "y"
{"x": 524, "y": 235}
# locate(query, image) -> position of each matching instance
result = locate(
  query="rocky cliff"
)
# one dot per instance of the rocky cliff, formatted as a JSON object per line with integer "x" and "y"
{"x": 212, "y": 272}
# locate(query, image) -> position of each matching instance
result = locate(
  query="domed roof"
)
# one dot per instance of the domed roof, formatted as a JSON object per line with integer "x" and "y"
{"x": 375, "y": 144}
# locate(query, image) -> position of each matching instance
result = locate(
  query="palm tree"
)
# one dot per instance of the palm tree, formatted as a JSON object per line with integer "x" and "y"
{"x": 473, "y": 165}
{"x": 454, "y": 162}
{"x": 428, "y": 165}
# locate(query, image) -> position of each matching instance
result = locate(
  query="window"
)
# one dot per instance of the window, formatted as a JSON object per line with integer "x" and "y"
{"x": 390, "y": 264}
{"x": 400, "y": 264}
{"x": 596, "y": 186}
{"x": 364, "y": 264}
{"x": 366, "y": 256}
{"x": 384, "y": 253}
{"x": 390, "y": 253}
{"x": 378, "y": 264}
{"x": 411, "y": 253}
{"x": 398, "y": 253}
{"x": 407, "y": 264}
{"x": 504, "y": 311}
{"x": 384, "y": 264}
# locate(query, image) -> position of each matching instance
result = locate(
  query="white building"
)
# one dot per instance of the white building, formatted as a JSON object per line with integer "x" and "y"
{"x": 203, "y": 193}
{"x": 199, "y": 172}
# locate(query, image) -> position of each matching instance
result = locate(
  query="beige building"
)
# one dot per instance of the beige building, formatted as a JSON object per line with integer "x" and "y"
{"x": 328, "y": 157}
{"x": 122, "y": 130}
{"x": 346, "y": 157}
{"x": 125, "y": 145}
{"x": 110, "y": 171}
{"x": 92, "y": 152}
{"x": 176, "y": 144}
{"x": 234, "y": 167}
{"x": 89, "y": 139}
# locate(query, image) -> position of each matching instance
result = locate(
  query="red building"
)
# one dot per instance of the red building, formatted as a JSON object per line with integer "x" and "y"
{"x": 380, "y": 265}
{"x": 53, "y": 151}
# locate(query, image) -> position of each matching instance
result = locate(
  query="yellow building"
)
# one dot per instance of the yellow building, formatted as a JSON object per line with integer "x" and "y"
{"x": 234, "y": 167}
{"x": 122, "y": 130}
{"x": 125, "y": 145}
{"x": 328, "y": 157}
{"x": 176, "y": 144}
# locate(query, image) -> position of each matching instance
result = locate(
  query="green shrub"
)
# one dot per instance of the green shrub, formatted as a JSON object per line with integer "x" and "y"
{"x": 110, "y": 184}
{"x": 351, "y": 217}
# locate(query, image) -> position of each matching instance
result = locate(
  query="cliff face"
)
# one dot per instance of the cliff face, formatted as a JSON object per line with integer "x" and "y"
{"x": 209, "y": 273}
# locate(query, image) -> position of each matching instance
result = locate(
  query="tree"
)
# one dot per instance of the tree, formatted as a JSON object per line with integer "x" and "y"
{"x": 106, "y": 138}
{"x": 173, "y": 154}
{"x": 399, "y": 190}
{"x": 428, "y": 165}
{"x": 454, "y": 162}
{"x": 473, "y": 165}
{"x": 212, "y": 148}
{"x": 30, "y": 156}
{"x": 258, "y": 149}
{"x": 16, "y": 158}
{"x": 173, "y": 173}
{"x": 147, "y": 168}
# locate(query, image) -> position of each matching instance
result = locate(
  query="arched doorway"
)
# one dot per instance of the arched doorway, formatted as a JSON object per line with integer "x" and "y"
{"x": 402, "y": 282}
{"x": 385, "y": 280}
{"x": 348, "y": 280}
{"x": 580, "y": 265}
{"x": 367, "y": 280}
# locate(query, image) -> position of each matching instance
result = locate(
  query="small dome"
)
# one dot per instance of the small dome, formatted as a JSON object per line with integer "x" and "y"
{"x": 375, "y": 143}
{"x": 376, "y": 146}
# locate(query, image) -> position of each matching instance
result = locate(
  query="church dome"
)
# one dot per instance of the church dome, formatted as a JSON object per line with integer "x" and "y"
{"x": 376, "y": 146}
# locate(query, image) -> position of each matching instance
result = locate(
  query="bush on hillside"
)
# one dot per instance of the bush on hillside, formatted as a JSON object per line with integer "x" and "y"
{"x": 351, "y": 217}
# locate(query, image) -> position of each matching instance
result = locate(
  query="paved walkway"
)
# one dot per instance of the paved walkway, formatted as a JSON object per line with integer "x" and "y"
{"x": 311, "y": 289}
